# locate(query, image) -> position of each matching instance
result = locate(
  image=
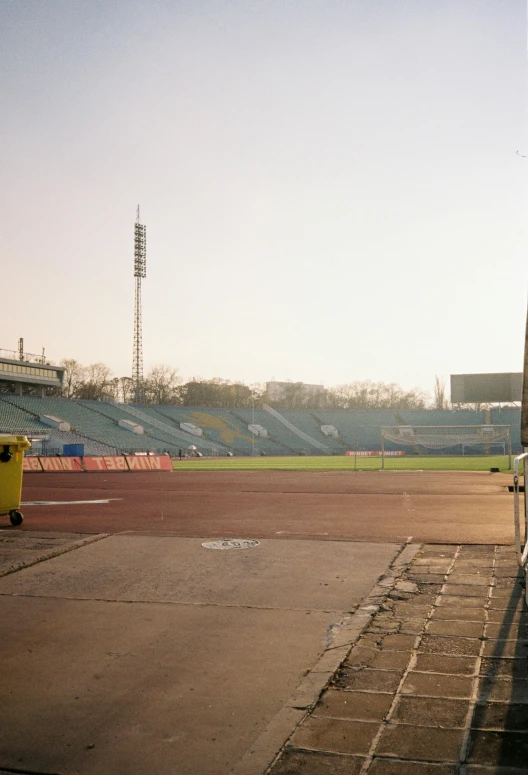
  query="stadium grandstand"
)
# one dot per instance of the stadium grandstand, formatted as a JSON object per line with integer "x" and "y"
{"x": 106, "y": 427}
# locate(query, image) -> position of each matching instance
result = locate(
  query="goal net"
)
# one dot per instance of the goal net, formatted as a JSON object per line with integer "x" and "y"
{"x": 447, "y": 439}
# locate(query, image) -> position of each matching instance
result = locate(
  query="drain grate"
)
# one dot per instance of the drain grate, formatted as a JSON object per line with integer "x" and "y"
{"x": 231, "y": 543}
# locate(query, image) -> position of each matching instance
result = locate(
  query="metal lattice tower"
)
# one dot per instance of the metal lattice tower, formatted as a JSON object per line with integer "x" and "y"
{"x": 140, "y": 271}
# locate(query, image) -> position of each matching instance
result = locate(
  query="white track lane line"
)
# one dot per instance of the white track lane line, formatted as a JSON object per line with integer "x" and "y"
{"x": 67, "y": 503}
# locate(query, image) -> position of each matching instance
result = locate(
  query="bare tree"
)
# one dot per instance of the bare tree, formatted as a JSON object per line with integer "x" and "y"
{"x": 126, "y": 389}
{"x": 74, "y": 377}
{"x": 292, "y": 396}
{"x": 440, "y": 401}
{"x": 375, "y": 395}
{"x": 258, "y": 394}
{"x": 97, "y": 384}
{"x": 162, "y": 385}
{"x": 217, "y": 393}
{"x": 114, "y": 389}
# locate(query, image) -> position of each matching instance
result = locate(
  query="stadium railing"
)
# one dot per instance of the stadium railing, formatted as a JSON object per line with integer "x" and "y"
{"x": 521, "y": 537}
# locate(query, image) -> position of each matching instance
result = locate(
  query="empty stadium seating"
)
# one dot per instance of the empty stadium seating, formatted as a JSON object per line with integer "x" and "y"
{"x": 58, "y": 438}
{"x": 222, "y": 426}
{"x": 156, "y": 438}
{"x": 90, "y": 424}
{"x": 359, "y": 428}
{"x": 278, "y": 432}
{"x": 441, "y": 417}
{"x": 291, "y": 432}
{"x": 15, "y": 420}
{"x": 308, "y": 423}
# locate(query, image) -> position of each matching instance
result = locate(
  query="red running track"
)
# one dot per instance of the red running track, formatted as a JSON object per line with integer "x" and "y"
{"x": 385, "y": 506}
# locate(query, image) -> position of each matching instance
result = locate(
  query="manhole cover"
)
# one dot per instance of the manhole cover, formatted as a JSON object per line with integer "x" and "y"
{"x": 231, "y": 543}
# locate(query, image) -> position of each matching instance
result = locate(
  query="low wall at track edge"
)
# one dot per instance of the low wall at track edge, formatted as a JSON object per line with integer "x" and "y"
{"x": 100, "y": 463}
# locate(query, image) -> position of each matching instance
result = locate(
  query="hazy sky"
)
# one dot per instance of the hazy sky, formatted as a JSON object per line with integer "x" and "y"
{"x": 331, "y": 187}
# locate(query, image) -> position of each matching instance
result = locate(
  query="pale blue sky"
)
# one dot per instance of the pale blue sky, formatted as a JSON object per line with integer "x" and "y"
{"x": 331, "y": 188}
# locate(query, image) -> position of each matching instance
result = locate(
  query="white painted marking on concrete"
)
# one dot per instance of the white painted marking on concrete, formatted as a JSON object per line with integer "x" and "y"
{"x": 66, "y": 503}
{"x": 231, "y": 543}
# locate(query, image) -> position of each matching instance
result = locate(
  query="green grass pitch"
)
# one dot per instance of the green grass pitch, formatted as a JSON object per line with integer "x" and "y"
{"x": 343, "y": 463}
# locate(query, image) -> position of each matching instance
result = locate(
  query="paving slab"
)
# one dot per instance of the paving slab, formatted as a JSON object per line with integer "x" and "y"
{"x": 408, "y": 742}
{"x": 316, "y": 763}
{"x": 437, "y": 685}
{"x": 509, "y": 749}
{"x": 357, "y": 706}
{"x": 412, "y": 626}
{"x": 336, "y": 735}
{"x": 369, "y": 680}
{"x": 429, "y": 711}
{"x": 463, "y": 590}
{"x": 438, "y": 644}
{"x": 395, "y": 642}
{"x": 414, "y": 600}
{"x": 440, "y": 663}
{"x": 509, "y": 604}
{"x": 501, "y": 715}
{"x": 464, "y": 615}
{"x": 412, "y": 608}
{"x": 385, "y": 660}
{"x": 458, "y": 601}
{"x": 146, "y": 654}
{"x": 478, "y": 579}
{"x": 509, "y": 582}
{"x": 508, "y": 617}
{"x": 482, "y": 562}
{"x": 514, "y": 647}
{"x": 395, "y": 767}
{"x": 479, "y": 550}
{"x": 426, "y": 578}
{"x": 387, "y": 625}
{"x": 515, "y": 631}
{"x": 492, "y": 689}
{"x": 516, "y": 668}
{"x": 511, "y": 570}
{"x": 509, "y": 593}
{"x": 458, "y": 628}
{"x": 477, "y": 769}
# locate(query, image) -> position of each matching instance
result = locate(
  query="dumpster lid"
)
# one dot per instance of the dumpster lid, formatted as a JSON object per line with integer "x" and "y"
{"x": 14, "y": 441}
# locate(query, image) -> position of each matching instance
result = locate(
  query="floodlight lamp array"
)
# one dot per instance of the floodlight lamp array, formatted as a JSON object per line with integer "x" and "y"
{"x": 140, "y": 250}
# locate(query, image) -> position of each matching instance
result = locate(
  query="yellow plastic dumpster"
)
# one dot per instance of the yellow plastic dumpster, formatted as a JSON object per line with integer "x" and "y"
{"x": 11, "y": 457}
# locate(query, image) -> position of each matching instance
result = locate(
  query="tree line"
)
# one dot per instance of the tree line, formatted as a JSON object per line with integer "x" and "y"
{"x": 163, "y": 385}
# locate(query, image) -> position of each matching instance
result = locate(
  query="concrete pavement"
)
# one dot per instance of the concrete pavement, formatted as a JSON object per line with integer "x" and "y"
{"x": 153, "y": 654}
{"x": 134, "y": 654}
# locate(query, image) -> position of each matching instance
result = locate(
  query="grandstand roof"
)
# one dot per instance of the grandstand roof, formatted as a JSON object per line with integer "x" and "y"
{"x": 30, "y": 373}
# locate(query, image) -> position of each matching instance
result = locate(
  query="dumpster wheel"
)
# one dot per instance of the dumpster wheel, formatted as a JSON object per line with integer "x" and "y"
{"x": 16, "y": 517}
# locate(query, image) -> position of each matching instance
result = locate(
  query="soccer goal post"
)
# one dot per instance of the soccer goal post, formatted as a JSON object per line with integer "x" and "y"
{"x": 446, "y": 440}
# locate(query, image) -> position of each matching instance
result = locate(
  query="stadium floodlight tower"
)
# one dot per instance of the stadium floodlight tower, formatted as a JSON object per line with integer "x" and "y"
{"x": 140, "y": 272}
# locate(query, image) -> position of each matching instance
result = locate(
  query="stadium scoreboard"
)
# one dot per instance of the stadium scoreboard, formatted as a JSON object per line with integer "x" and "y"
{"x": 486, "y": 388}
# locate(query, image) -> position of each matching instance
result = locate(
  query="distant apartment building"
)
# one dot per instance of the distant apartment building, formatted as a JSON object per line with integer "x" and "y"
{"x": 277, "y": 390}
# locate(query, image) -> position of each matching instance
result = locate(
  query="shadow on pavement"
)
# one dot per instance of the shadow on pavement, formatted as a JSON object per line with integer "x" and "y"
{"x": 500, "y": 720}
